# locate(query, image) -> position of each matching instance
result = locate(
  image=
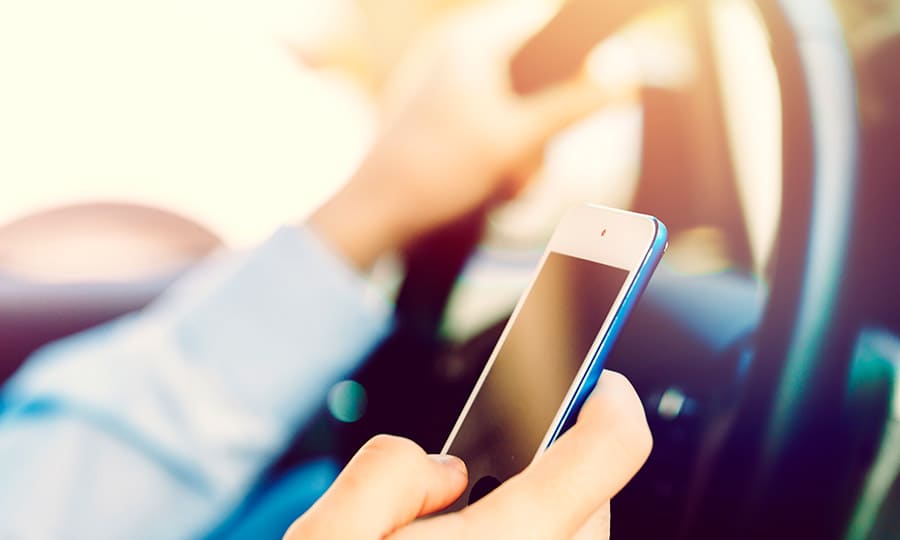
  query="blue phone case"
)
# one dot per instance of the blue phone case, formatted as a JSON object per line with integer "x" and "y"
{"x": 637, "y": 287}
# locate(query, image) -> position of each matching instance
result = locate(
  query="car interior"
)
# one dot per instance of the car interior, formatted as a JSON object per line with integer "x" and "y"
{"x": 766, "y": 348}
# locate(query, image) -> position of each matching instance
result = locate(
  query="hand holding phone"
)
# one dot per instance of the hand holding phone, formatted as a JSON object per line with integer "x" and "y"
{"x": 551, "y": 353}
{"x": 391, "y": 483}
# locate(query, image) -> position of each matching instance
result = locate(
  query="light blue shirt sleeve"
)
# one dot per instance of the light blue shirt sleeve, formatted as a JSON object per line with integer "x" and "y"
{"x": 156, "y": 425}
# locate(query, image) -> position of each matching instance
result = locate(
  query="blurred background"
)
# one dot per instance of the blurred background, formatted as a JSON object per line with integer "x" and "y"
{"x": 136, "y": 137}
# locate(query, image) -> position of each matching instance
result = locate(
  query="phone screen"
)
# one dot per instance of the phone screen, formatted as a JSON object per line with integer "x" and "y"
{"x": 536, "y": 365}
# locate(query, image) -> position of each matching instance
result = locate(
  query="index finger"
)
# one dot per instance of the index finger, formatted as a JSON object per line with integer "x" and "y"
{"x": 560, "y": 491}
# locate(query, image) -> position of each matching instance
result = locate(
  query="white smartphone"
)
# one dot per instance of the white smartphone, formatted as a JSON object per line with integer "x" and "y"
{"x": 551, "y": 351}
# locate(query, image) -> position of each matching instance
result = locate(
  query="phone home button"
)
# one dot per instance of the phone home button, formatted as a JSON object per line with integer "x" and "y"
{"x": 482, "y": 487}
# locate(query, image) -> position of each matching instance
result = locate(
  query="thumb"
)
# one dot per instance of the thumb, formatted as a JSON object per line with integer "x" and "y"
{"x": 389, "y": 483}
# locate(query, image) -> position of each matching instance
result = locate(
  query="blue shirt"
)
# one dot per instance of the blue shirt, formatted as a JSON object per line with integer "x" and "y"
{"x": 155, "y": 426}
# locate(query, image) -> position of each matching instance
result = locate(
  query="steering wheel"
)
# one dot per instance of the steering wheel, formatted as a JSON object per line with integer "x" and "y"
{"x": 758, "y": 477}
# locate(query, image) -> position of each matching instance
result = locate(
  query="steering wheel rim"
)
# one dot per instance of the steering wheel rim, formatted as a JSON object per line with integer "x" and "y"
{"x": 834, "y": 134}
{"x": 801, "y": 345}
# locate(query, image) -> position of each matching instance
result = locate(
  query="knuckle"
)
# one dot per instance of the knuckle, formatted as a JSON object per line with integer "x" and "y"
{"x": 614, "y": 400}
{"x": 393, "y": 447}
{"x": 618, "y": 412}
{"x": 636, "y": 438}
{"x": 384, "y": 460}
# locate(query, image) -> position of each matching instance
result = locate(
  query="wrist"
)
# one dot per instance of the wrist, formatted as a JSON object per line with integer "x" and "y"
{"x": 366, "y": 218}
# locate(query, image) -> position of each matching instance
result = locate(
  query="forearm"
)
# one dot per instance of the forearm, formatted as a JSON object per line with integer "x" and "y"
{"x": 374, "y": 213}
{"x": 193, "y": 397}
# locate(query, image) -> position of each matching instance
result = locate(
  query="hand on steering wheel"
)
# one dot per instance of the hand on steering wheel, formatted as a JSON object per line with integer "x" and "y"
{"x": 454, "y": 138}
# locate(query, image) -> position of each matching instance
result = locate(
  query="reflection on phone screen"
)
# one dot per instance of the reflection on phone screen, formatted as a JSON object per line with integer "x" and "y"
{"x": 535, "y": 366}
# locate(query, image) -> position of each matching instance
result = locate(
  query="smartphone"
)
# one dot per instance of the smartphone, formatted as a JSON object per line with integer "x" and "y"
{"x": 552, "y": 350}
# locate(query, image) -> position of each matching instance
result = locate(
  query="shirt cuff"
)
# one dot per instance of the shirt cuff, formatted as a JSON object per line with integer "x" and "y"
{"x": 287, "y": 321}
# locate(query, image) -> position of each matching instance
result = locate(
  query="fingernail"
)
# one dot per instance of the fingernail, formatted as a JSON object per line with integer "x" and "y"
{"x": 449, "y": 461}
